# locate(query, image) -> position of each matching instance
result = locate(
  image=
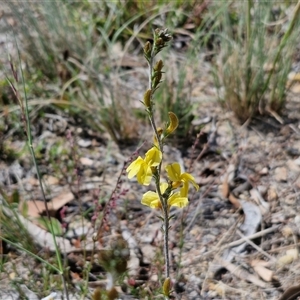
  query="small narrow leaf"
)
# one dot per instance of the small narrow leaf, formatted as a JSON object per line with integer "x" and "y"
{"x": 56, "y": 225}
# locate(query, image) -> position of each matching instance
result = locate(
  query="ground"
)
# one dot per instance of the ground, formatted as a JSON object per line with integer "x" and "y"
{"x": 249, "y": 186}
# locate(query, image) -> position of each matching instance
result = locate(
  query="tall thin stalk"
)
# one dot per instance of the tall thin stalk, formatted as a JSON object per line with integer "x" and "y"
{"x": 157, "y": 181}
{"x": 167, "y": 193}
{"x": 26, "y": 119}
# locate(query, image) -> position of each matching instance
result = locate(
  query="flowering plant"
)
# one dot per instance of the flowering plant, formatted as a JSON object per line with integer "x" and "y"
{"x": 173, "y": 192}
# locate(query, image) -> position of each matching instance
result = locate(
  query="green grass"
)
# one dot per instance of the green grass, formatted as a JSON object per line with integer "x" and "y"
{"x": 255, "y": 55}
{"x": 72, "y": 46}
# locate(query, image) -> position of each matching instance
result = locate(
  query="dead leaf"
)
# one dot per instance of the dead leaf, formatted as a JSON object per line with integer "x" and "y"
{"x": 50, "y": 180}
{"x": 234, "y": 201}
{"x": 35, "y": 207}
{"x": 33, "y": 181}
{"x": 44, "y": 239}
{"x": 32, "y": 208}
{"x": 272, "y": 194}
{"x": 85, "y": 161}
{"x": 219, "y": 288}
{"x": 230, "y": 172}
{"x": 61, "y": 200}
{"x": 281, "y": 174}
{"x": 262, "y": 204}
{"x": 287, "y": 231}
{"x": 260, "y": 268}
{"x": 287, "y": 259}
{"x": 293, "y": 76}
{"x": 75, "y": 277}
{"x": 225, "y": 189}
{"x": 293, "y": 252}
{"x": 241, "y": 273}
{"x": 253, "y": 217}
{"x": 291, "y": 293}
{"x": 295, "y": 88}
{"x": 251, "y": 222}
{"x": 76, "y": 243}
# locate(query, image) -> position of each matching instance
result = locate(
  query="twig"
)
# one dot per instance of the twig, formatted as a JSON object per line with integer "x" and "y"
{"x": 280, "y": 249}
{"x": 248, "y": 241}
{"x": 253, "y": 236}
{"x": 112, "y": 196}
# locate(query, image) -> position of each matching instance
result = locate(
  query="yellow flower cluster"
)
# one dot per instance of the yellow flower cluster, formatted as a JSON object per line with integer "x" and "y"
{"x": 152, "y": 200}
{"x": 142, "y": 168}
{"x": 178, "y": 178}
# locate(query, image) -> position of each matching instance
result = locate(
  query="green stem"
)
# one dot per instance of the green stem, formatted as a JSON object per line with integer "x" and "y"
{"x": 164, "y": 202}
{"x": 30, "y": 253}
{"x": 29, "y": 143}
{"x": 166, "y": 243}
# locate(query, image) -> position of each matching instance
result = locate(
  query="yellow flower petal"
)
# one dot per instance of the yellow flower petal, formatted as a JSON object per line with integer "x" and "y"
{"x": 144, "y": 175}
{"x": 151, "y": 199}
{"x": 174, "y": 171}
{"x": 153, "y": 157}
{"x": 185, "y": 189}
{"x": 177, "y": 200}
{"x": 134, "y": 167}
{"x": 189, "y": 178}
{"x": 163, "y": 187}
{"x": 174, "y": 174}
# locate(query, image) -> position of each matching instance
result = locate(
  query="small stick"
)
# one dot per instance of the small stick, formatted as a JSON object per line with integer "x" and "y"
{"x": 253, "y": 236}
{"x": 248, "y": 241}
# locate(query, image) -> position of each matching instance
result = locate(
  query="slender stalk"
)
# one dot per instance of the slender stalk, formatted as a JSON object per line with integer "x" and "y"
{"x": 166, "y": 244}
{"x": 30, "y": 253}
{"x": 163, "y": 200}
{"x": 25, "y": 111}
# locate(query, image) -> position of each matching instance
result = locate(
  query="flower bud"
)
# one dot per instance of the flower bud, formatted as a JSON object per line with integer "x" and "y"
{"x": 157, "y": 79}
{"x": 97, "y": 294}
{"x": 159, "y": 65}
{"x": 167, "y": 287}
{"x": 147, "y": 50}
{"x": 159, "y": 42}
{"x": 112, "y": 294}
{"x": 163, "y": 34}
{"x": 173, "y": 123}
{"x": 147, "y": 98}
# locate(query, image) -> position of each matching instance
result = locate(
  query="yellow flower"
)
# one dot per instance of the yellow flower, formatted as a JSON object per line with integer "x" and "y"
{"x": 178, "y": 200}
{"x": 178, "y": 178}
{"x": 141, "y": 168}
{"x": 152, "y": 200}
{"x": 153, "y": 157}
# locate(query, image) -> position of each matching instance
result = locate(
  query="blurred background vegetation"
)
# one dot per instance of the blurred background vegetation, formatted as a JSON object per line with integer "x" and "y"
{"x": 85, "y": 59}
